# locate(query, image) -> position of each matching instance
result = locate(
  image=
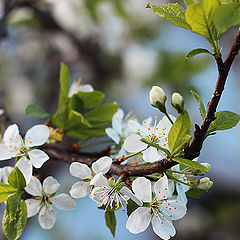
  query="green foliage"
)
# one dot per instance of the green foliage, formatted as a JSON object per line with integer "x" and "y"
{"x": 189, "y": 2}
{"x": 5, "y": 191}
{"x": 194, "y": 193}
{"x": 36, "y": 111}
{"x": 15, "y": 217}
{"x": 227, "y": 16}
{"x": 195, "y": 52}
{"x": 156, "y": 146}
{"x": 132, "y": 206}
{"x": 179, "y": 133}
{"x": 111, "y": 221}
{"x": 200, "y": 103}
{"x": 172, "y": 12}
{"x": 192, "y": 164}
{"x": 80, "y": 115}
{"x": 16, "y": 179}
{"x": 199, "y": 17}
{"x": 224, "y": 120}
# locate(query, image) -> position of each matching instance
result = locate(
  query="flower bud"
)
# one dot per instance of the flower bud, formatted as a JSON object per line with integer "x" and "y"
{"x": 78, "y": 87}
{"x": 204, "y": 184}
{"x": 178, "y": 102}
{"x": 158, "y": 98}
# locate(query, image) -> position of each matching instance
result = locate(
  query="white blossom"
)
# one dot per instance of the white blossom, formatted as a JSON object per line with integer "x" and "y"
{"x": 4, "y": 173}
{"x": 111, "y": 195}
{"x": 14, "y": 145}
{"x": 157, "y": 133}
{"x": 158, "y": 208}
{"x": 82, "y": 171}
{"x": 78, "y": 87}
{"x": 45, "y": 199}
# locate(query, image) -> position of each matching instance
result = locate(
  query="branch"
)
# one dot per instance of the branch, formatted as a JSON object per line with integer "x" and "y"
{"x": 200, "y": 133}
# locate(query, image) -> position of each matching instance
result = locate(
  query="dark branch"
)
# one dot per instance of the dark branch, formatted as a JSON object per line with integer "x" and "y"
{"x": 200, "y": 133}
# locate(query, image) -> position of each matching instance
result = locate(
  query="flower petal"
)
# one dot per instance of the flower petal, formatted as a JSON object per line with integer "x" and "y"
{"x": 171, "y": 188}
{"x": 79, "y": 189}
{"x": 117, "y": 121}
{"x": 32, "y": 207}
{"x": 25, "y": 166}
{"x": 50, "y": 185}
{"x": 142, "y": 189}
{"x": 5, "y": 173}
{"x": 161, "y": 188}
{"x": 80, "y": 170}
{"x": 98, "y": 180}
{"x": 135, "y": 126}
{"x": 113, "y": 135}
{"x": 12, "y": 137}
{"x": 175, "y": 209}
{"x": 37, "y": 135}
{"x": 133, "y": 143}
{"x": 102, "y": 165}
{"x": 181, "y": 193}
{"x": 163, "y": 227}
{"x": 34, "y": 187}
{"x": 38, "y": 157}
{"x": 127, "y": 192}
{"x": 63, "y": 201}
{"x": 146, "y": 122}
{"x": 99, "y": 195}
{"x": 47, "y": 218}
{"x": 5, "y": 153}
{"x": 139, "y": 220}
{"x": 151, "y": 154}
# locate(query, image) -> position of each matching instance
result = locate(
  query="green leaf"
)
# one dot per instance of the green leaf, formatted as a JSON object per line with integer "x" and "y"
{"x": 86, "y": 133}
{"x": 60, "y": 116}
{"x": 189, "y": 163}
{"x": 172, "y": 12}
{"x": 224, "y": 120}
{"x": 227, "y": 16}
{"x": 75, "y": 103}
{"x": 132, "y": 206}
{"x": 76, "y": 120}
{"x": 178, "y": 131}
{"x": 194, "y": 193}
{"x": 156, "y": 146}
{"x": 111, "y": 221}
{"x": 91, "y": 99}
{"x": 102, "y": 114}
{"x": 199, "y": 17}
{"x": 36, "y": 111}
{"x": 5, "y": 191}
{"x": 15, "y": 217}
{"x": 185, "y": 139}
{"x": 200, "y": 103}
{"x": 195, "y": 52}
{"x": 16, "y": 179}
{"x": 189, "y": 2}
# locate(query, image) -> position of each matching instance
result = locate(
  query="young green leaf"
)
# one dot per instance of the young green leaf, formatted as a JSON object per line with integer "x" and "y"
{"x": 36, "y": 111}
{"x": 91, "y": 99}
{"x": 75, "y": 103}
{"x": 102, "y": 114}
{"x": 200, "y": 103}
{"x": 76, "y": 120}
{"x": 224, "y": 120}
{"x": 172, "y": 12}
{"x": 227, "y": 16}
{"x": 131, "y": 206}
{"x": 5, "y": 191}
{"x": 195, "y": 52}
{"x": 15, "y": 217}
{"x": 111, "y": 221}
{"x": 185, "y": 139}
{"x": 199, "y": 17}
{"x": 16, "y": 179}
{"x": 189, "y": 2}
{"x": 192, "y": 164}
{"x": 194, "y": 193}
{"x": 178, "y": 131}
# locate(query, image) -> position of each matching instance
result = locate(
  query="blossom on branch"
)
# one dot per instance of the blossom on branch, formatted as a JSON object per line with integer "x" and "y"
{"x": 82, "y": 171}
{"x": 158, "y": 208}
{"x": 24, "y": 148}
{"x": 45, "y": 199}
{"x": 157, "y": 134}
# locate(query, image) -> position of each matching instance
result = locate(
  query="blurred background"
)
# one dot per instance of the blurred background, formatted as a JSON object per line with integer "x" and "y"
{"x": 122, "y": 49}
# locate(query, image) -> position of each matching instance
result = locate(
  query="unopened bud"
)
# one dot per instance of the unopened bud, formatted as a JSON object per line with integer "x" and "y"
{"x": 199, "y": 172}
{"x": 158, "y": 98}
{"x": 204, "y": 184}
{"x": 178, "y": 102}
